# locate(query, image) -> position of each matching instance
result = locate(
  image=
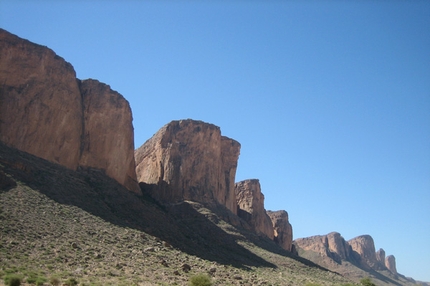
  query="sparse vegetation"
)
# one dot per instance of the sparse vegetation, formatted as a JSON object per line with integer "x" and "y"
{"x": 367, "y": 282}
{"x": 12, "y": 279}
{"x": 200, "y": 280}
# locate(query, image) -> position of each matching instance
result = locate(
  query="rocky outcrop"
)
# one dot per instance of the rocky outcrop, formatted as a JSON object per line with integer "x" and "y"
{"x": 189, "y": 160}
{"x": 380, "y": 257}
{"x": 390, "y": 263}
{"x": 250, "y": 202}
{"x": 332, "y": 245}
{"x": 282, "y": 229}
{"x": 364, "y": 247}
{"x": 40, "y": 103}
{"x": 47, "y": 112}
{"x": 108, "y": 136}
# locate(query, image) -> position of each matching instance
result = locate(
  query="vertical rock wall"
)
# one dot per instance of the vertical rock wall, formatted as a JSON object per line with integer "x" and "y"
{"x": 390, "y": 263}
{"x": 40, "y": 102}
{"x": 108, "y": 136}
{"x": 189, "y": 160}
{"x": 47, "y": 112}
{"x": 250, "y": 202}
{"x": 282, "y": 229}
{"x": 365, "y": 247}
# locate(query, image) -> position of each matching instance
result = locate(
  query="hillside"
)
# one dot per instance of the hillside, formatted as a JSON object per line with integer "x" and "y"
{"x": 83, "y": 225}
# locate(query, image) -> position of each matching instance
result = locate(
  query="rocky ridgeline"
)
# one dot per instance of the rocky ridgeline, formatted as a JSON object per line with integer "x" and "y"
{"x": 191, "y": 160}
{"x": 46, "y": 111}
{"x": 359, "y": 250}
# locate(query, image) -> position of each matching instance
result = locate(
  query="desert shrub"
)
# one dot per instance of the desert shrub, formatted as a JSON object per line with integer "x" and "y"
{"x": 313, "y": 284}
{"x": 12, "y": 280}
{"x": 367, "y": 282}
{"x": 55, "y": 281}
{"x": 71, "y": 282}
{"x": 200, "y": 280}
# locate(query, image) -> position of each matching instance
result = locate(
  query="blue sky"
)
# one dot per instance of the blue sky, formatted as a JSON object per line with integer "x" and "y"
{"x": 329, "y": 99}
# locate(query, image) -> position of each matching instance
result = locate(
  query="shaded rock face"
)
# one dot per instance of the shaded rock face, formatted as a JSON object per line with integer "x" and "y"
{"x": 390, "y": 263}
{"x": 332, "y": 245}
{"x": 250, "y": 202}
{"x": 282, "y": 229}
{"x": 47, "y": 112}
{"x": 189, "y": 160}
{"x": 364, "y": 247}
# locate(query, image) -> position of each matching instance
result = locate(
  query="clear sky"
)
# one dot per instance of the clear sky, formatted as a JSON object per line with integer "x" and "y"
{"x": 329, "y": 99}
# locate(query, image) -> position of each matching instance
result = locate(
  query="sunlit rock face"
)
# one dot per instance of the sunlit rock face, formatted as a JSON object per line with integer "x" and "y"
{"x": 390, "y": 263}
{"x": 189, "y": 160}
{"x": 47, "y": 112}
{"x": 332, "y": 245}
{"x": 364, "y": 247}
{"x": 108, "y": 136}
{"x": 282, "y": 229}
{"x": 41, "y": 108}
{"x": 250, "y": 202}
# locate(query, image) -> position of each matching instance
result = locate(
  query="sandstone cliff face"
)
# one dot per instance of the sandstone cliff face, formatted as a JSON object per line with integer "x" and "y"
{"x": 365, "y": 248}
{"x": 250, "y": 202}
{"x": 282, "y": 229}
{"x": 390, "y": 263}
{"x": 40, "y": 102}
{"x": 332, "y": 245}
{"x": 380, "y": 257}
{"x": 108, "y": 137}
{"x": 189, "y": 160}
{"x": 47, "y": 112}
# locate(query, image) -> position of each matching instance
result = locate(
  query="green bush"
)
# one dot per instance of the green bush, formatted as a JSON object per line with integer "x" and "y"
{"x": 55, "y": 281}
{"x": 367, "y": 282}
{"x": 12, "y": 280}
{"x": 71, "y": 282}
{"x": 200, "y": 280}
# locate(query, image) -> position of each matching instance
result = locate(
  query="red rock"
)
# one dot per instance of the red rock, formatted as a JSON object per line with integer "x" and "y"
{"x": 189, "y": 160}
{"x": 250, "y": 202}
{"x": 47, "y": 112}
{"x": 283, "y": 231}
{"x": 390, "y": 263}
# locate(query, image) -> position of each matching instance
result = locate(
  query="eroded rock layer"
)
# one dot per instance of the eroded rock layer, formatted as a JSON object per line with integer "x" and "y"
{"x": 189, "y": 160}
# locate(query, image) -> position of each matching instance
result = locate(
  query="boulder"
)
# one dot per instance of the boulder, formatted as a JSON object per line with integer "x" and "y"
{"x": 47, "y": 112}
{"x": 390, "y": 263}
{"x": 282, "y": 229}
{"x": 250, "y": 202}
{"x": 364, "y": 247}
{"x": 189, "y": 160}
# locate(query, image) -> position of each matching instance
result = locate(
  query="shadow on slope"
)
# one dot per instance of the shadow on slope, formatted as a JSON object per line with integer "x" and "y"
{"x": 91, "y": 190}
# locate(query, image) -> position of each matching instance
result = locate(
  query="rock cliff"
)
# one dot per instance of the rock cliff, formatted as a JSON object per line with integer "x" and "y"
{"x": 282, "y": 229}
{"x": 332, "y": 245}
{"x": 390, "y": 263}
{"x": 189, "y": 160}
{"x": 47, "y": 112}
{"x": 380, "y": 257}
{"x": 364, "y": 247}
{"x": 250, "y": 202}
{"x": 108, "y": 136}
